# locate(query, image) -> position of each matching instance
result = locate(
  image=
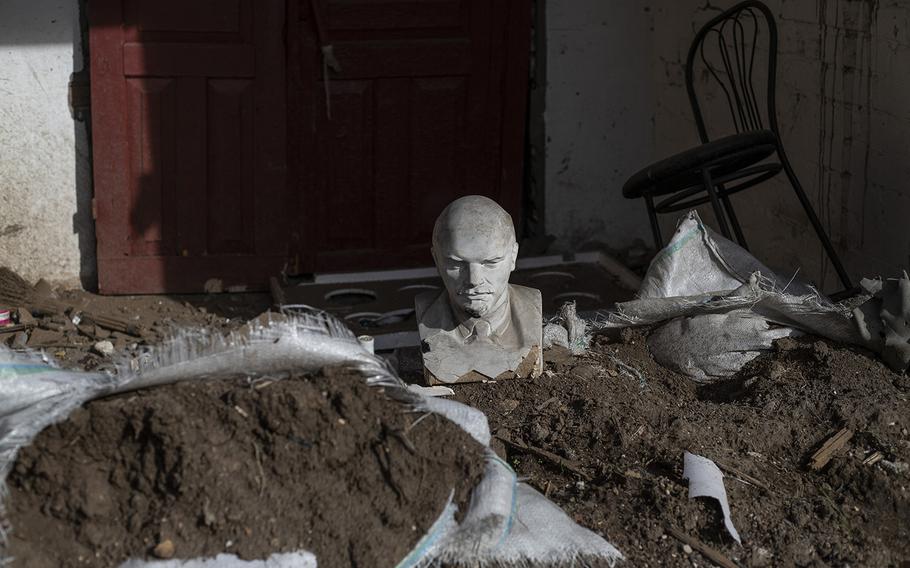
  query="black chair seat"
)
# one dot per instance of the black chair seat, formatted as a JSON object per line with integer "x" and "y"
{"x": 683, "y": 170}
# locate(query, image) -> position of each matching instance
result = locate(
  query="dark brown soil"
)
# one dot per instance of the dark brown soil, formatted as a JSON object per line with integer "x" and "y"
{"x": 326, "y": 464}
{"x": 626, "y": 439}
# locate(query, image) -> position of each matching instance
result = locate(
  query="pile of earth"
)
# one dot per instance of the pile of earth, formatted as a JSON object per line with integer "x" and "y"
{"x": 322, "y": 463}
{"x": 607, "y": 446}
{"x": 87, "y": 331}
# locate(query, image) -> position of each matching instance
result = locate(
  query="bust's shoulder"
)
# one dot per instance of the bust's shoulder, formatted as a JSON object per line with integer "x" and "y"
{"x": 527, "y": 304}
{"x": 433, "y": 311}
{"x": 424, "y": 300}
{"x": 524, "y": 294}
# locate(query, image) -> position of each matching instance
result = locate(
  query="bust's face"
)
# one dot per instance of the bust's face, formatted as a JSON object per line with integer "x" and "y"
{"x": 474, "y": 260}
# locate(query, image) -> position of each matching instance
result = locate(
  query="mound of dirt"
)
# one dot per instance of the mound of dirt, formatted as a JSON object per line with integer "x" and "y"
{"x": 325, "y": 464}
{"x": 607, "y": 446}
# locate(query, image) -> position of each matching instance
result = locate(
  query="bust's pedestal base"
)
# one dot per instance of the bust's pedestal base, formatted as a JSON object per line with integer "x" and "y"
{"x": 530, "y": 366}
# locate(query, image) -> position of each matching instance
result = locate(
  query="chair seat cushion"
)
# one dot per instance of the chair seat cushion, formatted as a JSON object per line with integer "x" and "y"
{"x": 682, "y": 170}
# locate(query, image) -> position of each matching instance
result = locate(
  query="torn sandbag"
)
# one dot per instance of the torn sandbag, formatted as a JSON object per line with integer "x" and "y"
{"x": 884, "y": 320}
{"x": 278, "y": 560}
{"x": 699, "y": 261}
{"x": 515, "y": 526}
{"x": 706, "y": 480}
{"x": 710, "y": 346}
{"x": 567, "y": 330}
{"x": 701, "y": 273}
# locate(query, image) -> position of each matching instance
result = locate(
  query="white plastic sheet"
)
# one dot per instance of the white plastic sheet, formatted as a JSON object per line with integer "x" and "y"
{"x": 706, "y": 480}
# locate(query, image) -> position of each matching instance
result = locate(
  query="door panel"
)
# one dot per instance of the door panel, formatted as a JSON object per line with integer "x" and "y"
{"x": 195, "y": 166}
{"x": 425, "y": 127}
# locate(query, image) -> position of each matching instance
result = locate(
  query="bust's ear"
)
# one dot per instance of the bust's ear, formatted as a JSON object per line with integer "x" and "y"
{"x": 514, "y": 256}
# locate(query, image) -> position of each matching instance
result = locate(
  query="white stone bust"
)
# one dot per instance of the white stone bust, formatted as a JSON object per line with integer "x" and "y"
{"x": 480, "y": 327}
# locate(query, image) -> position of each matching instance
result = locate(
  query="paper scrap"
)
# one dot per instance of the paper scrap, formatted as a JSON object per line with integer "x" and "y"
{"x": 431, "y": 391}
{"x": 706, "y": 480}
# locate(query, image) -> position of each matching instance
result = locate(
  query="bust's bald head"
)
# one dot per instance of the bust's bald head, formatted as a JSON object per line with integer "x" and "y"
{"x": 474, "y": 248}
{"x": 475, "y": 215}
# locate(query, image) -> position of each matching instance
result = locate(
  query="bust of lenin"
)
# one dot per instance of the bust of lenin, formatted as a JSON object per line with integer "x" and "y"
{"x": 480, "y": 327}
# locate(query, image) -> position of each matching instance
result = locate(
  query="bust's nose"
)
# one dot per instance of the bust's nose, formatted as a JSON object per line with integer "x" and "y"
{"x": 475, "y": 276}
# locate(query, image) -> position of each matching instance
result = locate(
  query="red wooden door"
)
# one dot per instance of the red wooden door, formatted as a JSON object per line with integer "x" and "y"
{"x": 429, "y": 105}
{"x": 189, "y": 143}
{"x": 197, "y": 104}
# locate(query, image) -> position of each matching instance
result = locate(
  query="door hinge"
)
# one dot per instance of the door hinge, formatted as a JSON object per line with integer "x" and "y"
{"x": 79, "y": 95}
{"x": 94, "y": 209}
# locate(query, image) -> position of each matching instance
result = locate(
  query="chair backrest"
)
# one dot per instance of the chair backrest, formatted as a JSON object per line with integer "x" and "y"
{"x": 731, "y": 48}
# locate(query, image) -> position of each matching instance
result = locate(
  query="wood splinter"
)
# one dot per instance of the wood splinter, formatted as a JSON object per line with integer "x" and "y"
{"x": 549, "y": 456}
{"x": 824, "y": 454}
{"x": 711, "y": 554}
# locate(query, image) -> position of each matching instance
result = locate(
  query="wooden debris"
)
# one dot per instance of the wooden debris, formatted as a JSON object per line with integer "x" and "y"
{"x": 115, "y": 324}
{"x": 711, "y": 554}
{"x": 743, "y": 476}
{"x": 549, "y": 456}
{"x": 874, "y": 458}
{"x": 824, "y": 454}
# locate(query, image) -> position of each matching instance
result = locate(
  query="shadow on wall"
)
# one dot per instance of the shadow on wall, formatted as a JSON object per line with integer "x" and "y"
{"x": 80, "y": 108}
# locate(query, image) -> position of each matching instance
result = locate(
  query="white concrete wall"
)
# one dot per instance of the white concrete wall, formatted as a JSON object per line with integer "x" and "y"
{"x": 598, "y": 120}
{"x": 844, "y": 110}
{"x": 44, "y": 158}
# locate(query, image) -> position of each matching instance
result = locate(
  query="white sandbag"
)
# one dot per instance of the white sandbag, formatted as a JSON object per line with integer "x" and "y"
{"x": 511, "y": 524}
{"x": 471, "y": 420}
{"x": 283, "y": 560}
{"x": 710, "y": 346}
{"x": 884, "y": 321}
{"x": 34, "y": 395}
{"x": 699, "y": 261}
{"x": 701, "y": 273}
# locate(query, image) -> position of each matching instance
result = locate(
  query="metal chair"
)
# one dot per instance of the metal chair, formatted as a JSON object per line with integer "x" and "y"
{"x": 724, "y": 166}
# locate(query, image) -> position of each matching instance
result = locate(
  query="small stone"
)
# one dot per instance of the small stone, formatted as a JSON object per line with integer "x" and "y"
{"x": 164, "y": 549}
{"x": 509, "y": 405}
{"x": 777, "y": 370}
{"x": 538, "y": 432}
{"x": 569, "y": 454}
{"x": 104, "y": 348}
{"x": 20, "y": 340}
{"x": 761, "y": 557}
{"x": 786, "y": 344}
{"x": 585, "y": 372}
{"x": 687, "y": 549}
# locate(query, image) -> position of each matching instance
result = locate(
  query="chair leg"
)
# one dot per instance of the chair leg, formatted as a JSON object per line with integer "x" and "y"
{"x": 817, "y": 225}
{"x": 715, "y": 203}
{"x": 655, "y": 226}
{"x": 728, "y": 207}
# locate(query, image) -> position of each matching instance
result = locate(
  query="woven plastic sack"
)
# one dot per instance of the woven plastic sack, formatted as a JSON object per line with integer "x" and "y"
{"x": 730, "y": 307}
{"x": 507, "y": 524}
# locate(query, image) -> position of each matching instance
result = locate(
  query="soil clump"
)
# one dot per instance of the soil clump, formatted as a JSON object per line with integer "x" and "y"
{"x": 322, "y": 463}
{"x": 603, "y": 435}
